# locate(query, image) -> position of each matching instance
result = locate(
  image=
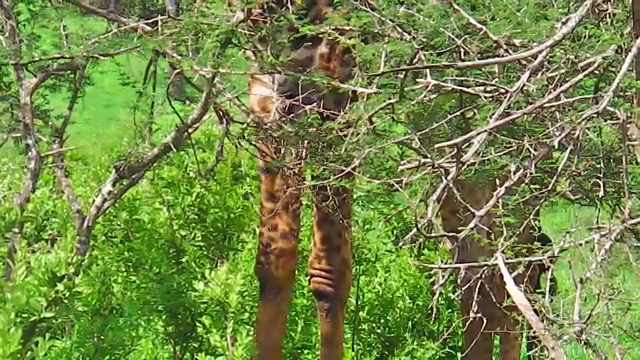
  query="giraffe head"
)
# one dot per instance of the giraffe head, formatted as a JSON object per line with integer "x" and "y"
{"x": 290, "y": 93}
{"x": 325, "y": 57}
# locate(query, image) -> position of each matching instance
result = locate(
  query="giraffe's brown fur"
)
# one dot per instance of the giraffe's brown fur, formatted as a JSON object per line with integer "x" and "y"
{"x": 276, "y": 99}
{"x": 483, "y": 290}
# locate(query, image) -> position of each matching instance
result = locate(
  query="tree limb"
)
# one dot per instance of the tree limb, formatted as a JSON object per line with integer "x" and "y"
{"x": 633, "y": 129}
{"x": 59, "y": 167}
{"x": 555, "y": 351}
{"x": 132, "y": 173}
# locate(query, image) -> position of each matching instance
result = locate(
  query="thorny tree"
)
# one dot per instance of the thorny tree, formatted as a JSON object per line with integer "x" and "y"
{"x": 449, "y": 93}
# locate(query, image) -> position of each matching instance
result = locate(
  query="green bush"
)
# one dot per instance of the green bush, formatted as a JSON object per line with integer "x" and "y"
{"x": 171, "y": 272}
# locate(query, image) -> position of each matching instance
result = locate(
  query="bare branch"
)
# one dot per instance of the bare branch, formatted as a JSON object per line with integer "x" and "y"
{"x": 34, "y": 160}
{"x": 571, "y": 22}
{"x": 555, "y": 351}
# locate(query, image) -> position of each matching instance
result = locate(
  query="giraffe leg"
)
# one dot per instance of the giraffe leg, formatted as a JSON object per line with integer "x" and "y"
{"x": 478, "y": 339}
{"x": 511, "y": 334}
{"x": 533, "y": 342}
{"x": 330, "y": 265}
{"x": 510, "y": 341}
{"x": 478, "y": 343}
{"x": 276, "y": 258}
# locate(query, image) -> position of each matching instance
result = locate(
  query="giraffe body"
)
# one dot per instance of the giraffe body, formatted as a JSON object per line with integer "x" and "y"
{"x": 483, "y": 290}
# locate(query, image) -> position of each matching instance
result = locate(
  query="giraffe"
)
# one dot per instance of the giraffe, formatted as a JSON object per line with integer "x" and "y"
{"x": 483, "y": 290}
{"x": 274, "y": 100}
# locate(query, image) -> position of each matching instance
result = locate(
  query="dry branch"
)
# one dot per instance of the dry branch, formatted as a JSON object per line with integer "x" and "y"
{"x": 555, "y": 350}
{"x": 34, "y": 161}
